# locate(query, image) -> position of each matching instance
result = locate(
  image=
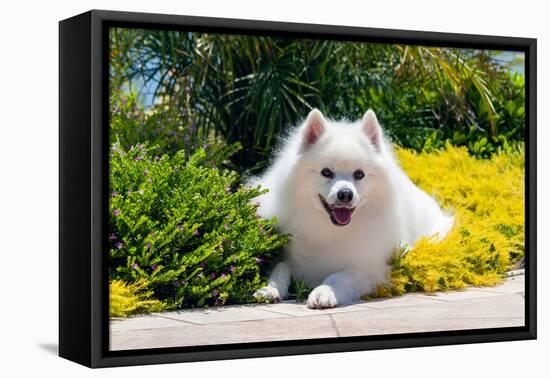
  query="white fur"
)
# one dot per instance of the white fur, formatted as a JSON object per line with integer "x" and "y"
{"x": 342, "y": 262}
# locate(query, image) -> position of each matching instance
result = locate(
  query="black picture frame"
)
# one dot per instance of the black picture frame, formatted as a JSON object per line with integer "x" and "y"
{"x": 83, "y": 196}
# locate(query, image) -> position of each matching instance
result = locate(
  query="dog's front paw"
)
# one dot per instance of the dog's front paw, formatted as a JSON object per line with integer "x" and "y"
{"x": 322, "y": 297}
{"x": 268, "y": 293}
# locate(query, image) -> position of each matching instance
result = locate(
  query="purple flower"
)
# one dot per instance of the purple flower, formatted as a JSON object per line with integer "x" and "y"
{"x": 154, "y": 267}
{"x": 177, "y": 283}
{"x": 223, "y": 275}
{"x": 139, "y": 146}
{"x": 212, "y": 275}
{"x": 219, "y": 209}
{"x": 232, "y": 268}
{"x": 193, "y": 127}
{"x": 112, "y": 237}
{"x": 228, "y": 189}
{"x": 116, "y": 212}
{"x": 202, "y": 264}
{"x": 148, "y": 245}
{"x": 259, "y": 260}
{"x": 205, "y": 146}
{"x": 226, "y": 226}
{"x": 118, "y": 245}
{"x": 179, "y": 227}
{"x": 114, "y": 194}
{"x": 136, "y": 158}
{"x": 196, "y": 233}
{"x": 215, "y": 292}
{"x": 134, "y": 266}
{"x": 157, "y": 158}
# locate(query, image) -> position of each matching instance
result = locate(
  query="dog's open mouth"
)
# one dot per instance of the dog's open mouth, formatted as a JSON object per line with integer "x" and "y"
{"x": 339, "y": 215}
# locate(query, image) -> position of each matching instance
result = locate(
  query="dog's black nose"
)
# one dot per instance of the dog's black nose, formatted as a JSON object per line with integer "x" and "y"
{"x": 345, "y": 195}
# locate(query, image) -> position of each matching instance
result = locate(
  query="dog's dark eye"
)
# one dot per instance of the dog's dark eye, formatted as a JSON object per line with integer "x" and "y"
{"x": 358, "y": 174}
{"x": 325, "y": 172}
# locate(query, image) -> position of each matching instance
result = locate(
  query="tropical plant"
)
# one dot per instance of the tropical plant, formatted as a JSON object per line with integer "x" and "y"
{"x": 167, "y": 131}
{"x": 249, "y": 89}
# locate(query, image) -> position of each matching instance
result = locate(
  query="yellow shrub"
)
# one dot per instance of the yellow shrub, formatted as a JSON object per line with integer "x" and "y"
{"x": 487, "y": 198}
{"x": 131, "y": 298}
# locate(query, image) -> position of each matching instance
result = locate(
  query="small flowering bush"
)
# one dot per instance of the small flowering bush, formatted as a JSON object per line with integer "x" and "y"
{"x": 186, "y": 228}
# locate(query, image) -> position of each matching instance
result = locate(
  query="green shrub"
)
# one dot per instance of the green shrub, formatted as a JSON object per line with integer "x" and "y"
{"x": 181, "y": 225}
{"x": 166, "y": 130}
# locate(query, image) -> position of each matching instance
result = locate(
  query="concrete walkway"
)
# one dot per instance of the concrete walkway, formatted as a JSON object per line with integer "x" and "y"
{"x": 488, "y": 307}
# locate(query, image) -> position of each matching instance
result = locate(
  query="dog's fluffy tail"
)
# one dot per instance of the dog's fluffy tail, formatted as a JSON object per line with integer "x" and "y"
{"x": 444, "y": 225}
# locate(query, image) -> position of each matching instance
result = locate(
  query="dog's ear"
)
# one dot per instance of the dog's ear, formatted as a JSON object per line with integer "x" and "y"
{"x": 315, "y": 127}
{"x": 372, "y": 128}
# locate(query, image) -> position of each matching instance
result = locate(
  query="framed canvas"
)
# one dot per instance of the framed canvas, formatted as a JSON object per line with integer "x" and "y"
{"x": 235, "y": 188}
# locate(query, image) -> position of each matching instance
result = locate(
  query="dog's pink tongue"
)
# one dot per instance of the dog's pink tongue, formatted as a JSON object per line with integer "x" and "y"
{"x": 342, "y": 215}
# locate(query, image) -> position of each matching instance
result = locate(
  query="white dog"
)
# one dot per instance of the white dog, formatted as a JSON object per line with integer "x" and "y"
{"x": 338, "y": 190}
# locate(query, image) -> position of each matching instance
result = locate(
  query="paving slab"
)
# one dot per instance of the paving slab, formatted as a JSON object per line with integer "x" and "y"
{"x": 512, "y": 285}
{"x": 145, "y": 322}
{"x": 403, "y": 301}
{"x": 226, "y": 333}
{"x": 488, "y": 312}
{"x": 460, "y": 295}
{"x": 473, "y": 308}
{"x": 371, "y": 327}
{"x": 293, "y": 308}
{"x": 221, "y": 314}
